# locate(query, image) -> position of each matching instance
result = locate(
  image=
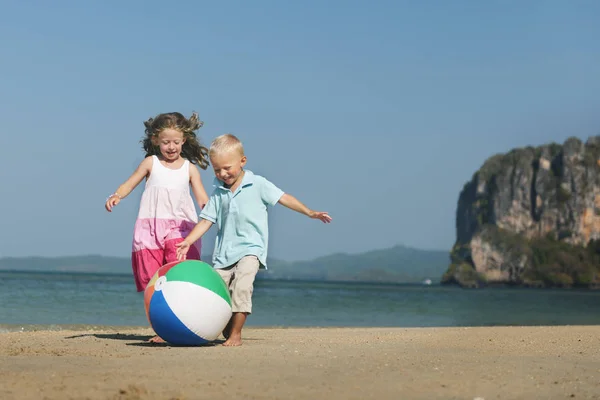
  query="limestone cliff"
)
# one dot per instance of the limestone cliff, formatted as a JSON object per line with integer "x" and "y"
{"x": 531, "y": 217}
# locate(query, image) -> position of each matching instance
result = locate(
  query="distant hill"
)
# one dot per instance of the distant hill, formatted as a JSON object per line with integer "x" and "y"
{"x": 397, "y": 264}
{"x": 87, "y": 263}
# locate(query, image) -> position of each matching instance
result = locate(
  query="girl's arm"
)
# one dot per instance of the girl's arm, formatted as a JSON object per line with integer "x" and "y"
{"x": 293, "y": 203}
{"x": 142, "y": 171}
{"x": 197, "y": 186}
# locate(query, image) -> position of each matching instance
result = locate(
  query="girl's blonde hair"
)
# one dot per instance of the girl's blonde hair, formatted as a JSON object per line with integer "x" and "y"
{"x": 191, "y": 150}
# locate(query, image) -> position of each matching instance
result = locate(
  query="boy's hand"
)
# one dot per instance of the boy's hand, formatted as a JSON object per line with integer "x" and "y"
{"x": 182, "y": 249}
{"x": 322, "y": 215}
{"x": 293, "y": 203}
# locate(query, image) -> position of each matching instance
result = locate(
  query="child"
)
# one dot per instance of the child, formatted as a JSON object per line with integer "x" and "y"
{"x": 167, "y": 213}
{"x": 238, "y": 206}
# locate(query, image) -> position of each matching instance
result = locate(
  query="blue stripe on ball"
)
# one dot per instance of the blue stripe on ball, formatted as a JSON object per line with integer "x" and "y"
{"x": 168, "y": 326}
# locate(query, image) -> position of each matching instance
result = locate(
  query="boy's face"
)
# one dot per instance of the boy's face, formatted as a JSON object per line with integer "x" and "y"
{"x": 228, "y": 167}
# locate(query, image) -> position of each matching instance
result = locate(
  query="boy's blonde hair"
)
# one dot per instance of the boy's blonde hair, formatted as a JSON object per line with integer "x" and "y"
{"x": 226, "y": 144}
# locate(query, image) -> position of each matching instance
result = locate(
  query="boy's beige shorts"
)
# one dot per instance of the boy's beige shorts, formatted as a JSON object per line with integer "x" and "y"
{"x": 240, "y": 280}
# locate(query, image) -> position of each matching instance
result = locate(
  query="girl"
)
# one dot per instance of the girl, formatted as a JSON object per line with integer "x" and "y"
{"x": 167, "y": 213}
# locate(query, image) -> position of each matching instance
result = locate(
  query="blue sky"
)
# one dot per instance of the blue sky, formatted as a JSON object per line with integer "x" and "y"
{"x": 376, "y": 111}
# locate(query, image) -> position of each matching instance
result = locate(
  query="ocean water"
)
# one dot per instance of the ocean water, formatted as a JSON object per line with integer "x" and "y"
{"x": 37, "y": 300}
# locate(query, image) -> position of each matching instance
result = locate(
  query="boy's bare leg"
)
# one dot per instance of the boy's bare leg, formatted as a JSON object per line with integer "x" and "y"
{"x": 235, "y": 325}
{"x": 240, "y": 287}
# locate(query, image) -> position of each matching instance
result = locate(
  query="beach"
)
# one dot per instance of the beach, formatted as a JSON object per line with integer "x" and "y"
{"x": 307, "y": 363}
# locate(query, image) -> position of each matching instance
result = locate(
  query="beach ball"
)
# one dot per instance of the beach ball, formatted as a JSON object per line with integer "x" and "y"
{"x": 187, "y": 303}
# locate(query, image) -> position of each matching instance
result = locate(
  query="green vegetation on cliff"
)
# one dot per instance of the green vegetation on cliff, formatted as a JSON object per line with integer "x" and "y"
{"x": 559, "y": 264}
{"x": 546, "y": 262}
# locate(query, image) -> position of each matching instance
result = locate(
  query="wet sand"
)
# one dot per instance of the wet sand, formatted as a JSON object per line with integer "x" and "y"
{"x": 312, "y": 363}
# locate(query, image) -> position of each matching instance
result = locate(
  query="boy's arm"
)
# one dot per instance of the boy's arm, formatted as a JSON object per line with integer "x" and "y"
{"x": 200, "y": 229}
{"x": 293, "y": 203}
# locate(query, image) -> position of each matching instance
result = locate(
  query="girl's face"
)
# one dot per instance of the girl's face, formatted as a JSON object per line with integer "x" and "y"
{"x": 170, "y": 142}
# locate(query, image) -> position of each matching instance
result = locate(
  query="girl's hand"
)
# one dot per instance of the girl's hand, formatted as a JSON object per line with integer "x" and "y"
{"x": 322, "y": 215}
{"x": 182, "y": 249}
{"x": 112, "y": 201}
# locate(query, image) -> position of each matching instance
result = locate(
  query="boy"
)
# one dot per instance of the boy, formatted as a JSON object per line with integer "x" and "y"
{"x": 238, "y": 206}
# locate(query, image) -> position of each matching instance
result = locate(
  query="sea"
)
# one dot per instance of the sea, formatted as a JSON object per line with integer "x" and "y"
{"x": 55, "y": 301}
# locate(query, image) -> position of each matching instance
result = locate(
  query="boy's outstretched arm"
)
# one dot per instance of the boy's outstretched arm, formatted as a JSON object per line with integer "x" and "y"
{"x": 293, "y": 203}
{"x": 199, "y": 230}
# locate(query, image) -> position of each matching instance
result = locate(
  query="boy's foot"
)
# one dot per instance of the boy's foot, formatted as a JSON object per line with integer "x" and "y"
{"x": 156, "y": 339}
{"x": 233, "y": 340}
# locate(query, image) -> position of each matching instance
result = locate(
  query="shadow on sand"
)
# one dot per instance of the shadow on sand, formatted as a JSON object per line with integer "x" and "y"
{"x": 139, "y": 340}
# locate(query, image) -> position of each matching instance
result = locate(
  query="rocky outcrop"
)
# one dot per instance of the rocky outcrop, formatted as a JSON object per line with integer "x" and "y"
{"x": 531, "y": 217}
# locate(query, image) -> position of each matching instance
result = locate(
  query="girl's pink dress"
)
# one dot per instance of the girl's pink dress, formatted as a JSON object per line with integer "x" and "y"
{"x": 167, "y": 215}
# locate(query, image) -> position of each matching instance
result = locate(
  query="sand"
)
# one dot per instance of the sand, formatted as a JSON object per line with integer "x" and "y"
{"x": 312, "y": 363}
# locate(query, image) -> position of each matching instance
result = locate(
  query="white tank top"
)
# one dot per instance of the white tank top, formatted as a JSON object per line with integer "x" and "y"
{"x": 162, "y": 176}
{"x": 167, "y": 194}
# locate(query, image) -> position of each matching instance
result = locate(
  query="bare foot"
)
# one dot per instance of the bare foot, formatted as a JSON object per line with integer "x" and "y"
{"x": 233, "y": 340}
{"x": 156, "y": 339}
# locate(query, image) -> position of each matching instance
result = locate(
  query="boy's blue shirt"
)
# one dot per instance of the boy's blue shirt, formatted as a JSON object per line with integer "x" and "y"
{"x": 241, "y": 219}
